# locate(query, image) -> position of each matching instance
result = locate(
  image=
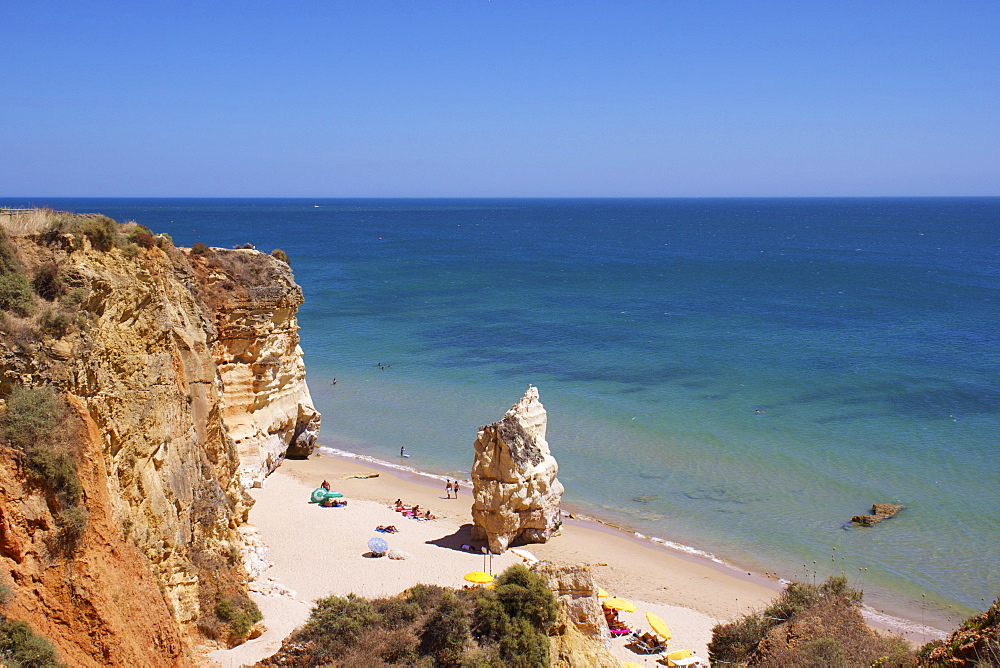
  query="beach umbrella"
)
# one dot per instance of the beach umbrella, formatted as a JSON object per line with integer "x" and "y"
{"x": 524, "y": 554}
{"x": 659, "y": 626}
{"x": 601, "y": 593}
{"x": 378, "y": 546}
{"x": 479, "y": 577}
{"x": 619, "y": 604}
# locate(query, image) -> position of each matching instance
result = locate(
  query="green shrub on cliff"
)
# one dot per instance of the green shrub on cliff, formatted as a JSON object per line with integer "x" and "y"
{"x": 19, "y": 646}
{"x": 34, "y": 423}
{"x": 837, "y": 634}
{"x": 48, "y": 282}
{"x": 279, "y": 254}
{"x": 101, "y": 230}
{"x": 15, "y": 294}
{"x": 240, "y": 613}
{"x": 429, "y": 625}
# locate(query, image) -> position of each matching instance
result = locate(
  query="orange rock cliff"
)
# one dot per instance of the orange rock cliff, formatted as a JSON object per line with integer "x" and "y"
{"x": 183, "y": 384}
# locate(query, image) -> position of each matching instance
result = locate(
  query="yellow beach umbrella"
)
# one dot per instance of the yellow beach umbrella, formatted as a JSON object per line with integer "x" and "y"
{"x": 619, "y": 604}
{"x": 479, "y": 577}
{"x": 659, "y": 626}
{"x": 601, "y": 593}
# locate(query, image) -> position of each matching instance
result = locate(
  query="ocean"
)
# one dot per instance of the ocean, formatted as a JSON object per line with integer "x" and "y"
{"x": 737, "y": 376}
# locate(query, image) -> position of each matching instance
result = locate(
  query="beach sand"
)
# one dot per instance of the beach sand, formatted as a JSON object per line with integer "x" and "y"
{"x": 319, "y": 551}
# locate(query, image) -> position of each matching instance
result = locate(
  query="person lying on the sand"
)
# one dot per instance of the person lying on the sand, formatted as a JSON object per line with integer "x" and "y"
{"x": 648, "y": 639}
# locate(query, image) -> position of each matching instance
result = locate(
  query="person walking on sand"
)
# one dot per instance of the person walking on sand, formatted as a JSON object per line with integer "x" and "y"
{"x": 447, "y": 488}
{"x": 455, "y": 489}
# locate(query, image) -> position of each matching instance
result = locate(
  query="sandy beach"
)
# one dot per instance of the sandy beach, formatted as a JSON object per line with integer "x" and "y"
{"x": 318, "y": 551}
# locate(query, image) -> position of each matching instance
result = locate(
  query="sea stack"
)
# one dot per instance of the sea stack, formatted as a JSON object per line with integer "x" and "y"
{"x": 516, "y": 496}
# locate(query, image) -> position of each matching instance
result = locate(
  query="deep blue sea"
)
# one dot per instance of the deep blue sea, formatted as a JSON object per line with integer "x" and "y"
{"x": 739, "y": 375}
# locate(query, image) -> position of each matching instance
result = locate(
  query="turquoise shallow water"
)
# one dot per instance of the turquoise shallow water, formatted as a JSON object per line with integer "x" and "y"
{"x": 738, "y": 375}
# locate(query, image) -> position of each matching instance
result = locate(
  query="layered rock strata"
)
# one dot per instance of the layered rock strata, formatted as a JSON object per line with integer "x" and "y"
{"x": 516, "y": 495}
{"x": 576, "y": 592}
{"x": 266, "y": 404}
{"x": 167, "y": 357}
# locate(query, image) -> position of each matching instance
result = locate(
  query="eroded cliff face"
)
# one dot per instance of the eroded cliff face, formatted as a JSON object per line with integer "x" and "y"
{"x": 188, "y": 382}
{"x": 266, "y": 404}
{"x": 516, "y": 496}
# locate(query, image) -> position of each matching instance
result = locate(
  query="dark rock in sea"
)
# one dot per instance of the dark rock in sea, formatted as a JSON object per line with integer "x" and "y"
{"x": 880, "y": 511}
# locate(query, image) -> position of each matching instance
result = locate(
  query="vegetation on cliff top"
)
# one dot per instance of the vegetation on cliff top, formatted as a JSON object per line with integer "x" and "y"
{"x": 975, "y": 643}
{"x": 808, "y": 625}
{"x": 430, "y": 626}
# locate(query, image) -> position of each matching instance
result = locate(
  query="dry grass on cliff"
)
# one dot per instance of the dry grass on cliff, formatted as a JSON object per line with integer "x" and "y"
{"x": 26, "y": 221}
{"x": 237, "y": 274}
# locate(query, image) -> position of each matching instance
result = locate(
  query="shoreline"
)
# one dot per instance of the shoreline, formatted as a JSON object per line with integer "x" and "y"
{"x": 311, "y": 552}
{"x": 894, "y": 619}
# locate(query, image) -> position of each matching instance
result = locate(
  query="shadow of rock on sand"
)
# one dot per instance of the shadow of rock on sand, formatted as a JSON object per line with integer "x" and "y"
{"x": 456, "y": 540}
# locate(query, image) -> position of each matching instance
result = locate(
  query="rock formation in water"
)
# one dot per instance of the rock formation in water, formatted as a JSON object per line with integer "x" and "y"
{"x": 516, "y": 496}
{"x": 184, "y": 382}
{"x": 880, "y": 511}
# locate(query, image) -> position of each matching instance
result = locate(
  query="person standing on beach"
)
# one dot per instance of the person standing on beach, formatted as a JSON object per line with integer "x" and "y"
{"x": 455, "y": 489}
{"x": 447, "y": 488}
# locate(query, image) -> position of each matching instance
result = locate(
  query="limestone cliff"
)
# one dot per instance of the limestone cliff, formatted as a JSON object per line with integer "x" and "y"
{"x": 576, "y": 592}
{"x": 266, "y": 404}
{"x": 186, "y": 380}
{"x": 516, "y": 496}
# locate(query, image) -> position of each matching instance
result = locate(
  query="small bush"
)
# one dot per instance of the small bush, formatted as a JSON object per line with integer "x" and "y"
{"x": 19, "y": 646}
{"x": 15, "y": 294}
{"x": 200, "y": 249}
{"x": 145, "y": 239}
{"x": 140, "y": 235}
{"x": 48, "y": 283}
{"x": 524, "y": 645}
{"x": 32, "y": 412}
{"x": 75, "y": 297}
{"x": 396, "y": 612}
{"x": 9, "y": 264}
{"x": 279, "y": 254}
{"x": 446, "y": 632}
{"x": 55, "y": 323}
{"x": 72, "y": 523}
{"x": 240, "y": 613}
{"x": 336, "y": 623}
{"x": 30, "y": 424}
{"x": 101, "y": 230}
{"x": 823, "y": 653}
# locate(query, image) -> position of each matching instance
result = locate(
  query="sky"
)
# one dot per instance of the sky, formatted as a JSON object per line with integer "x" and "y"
{"x": 496, "y": 98}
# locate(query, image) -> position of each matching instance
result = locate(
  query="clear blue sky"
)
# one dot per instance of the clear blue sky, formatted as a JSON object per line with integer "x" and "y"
{"x": 497, "y": 98}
